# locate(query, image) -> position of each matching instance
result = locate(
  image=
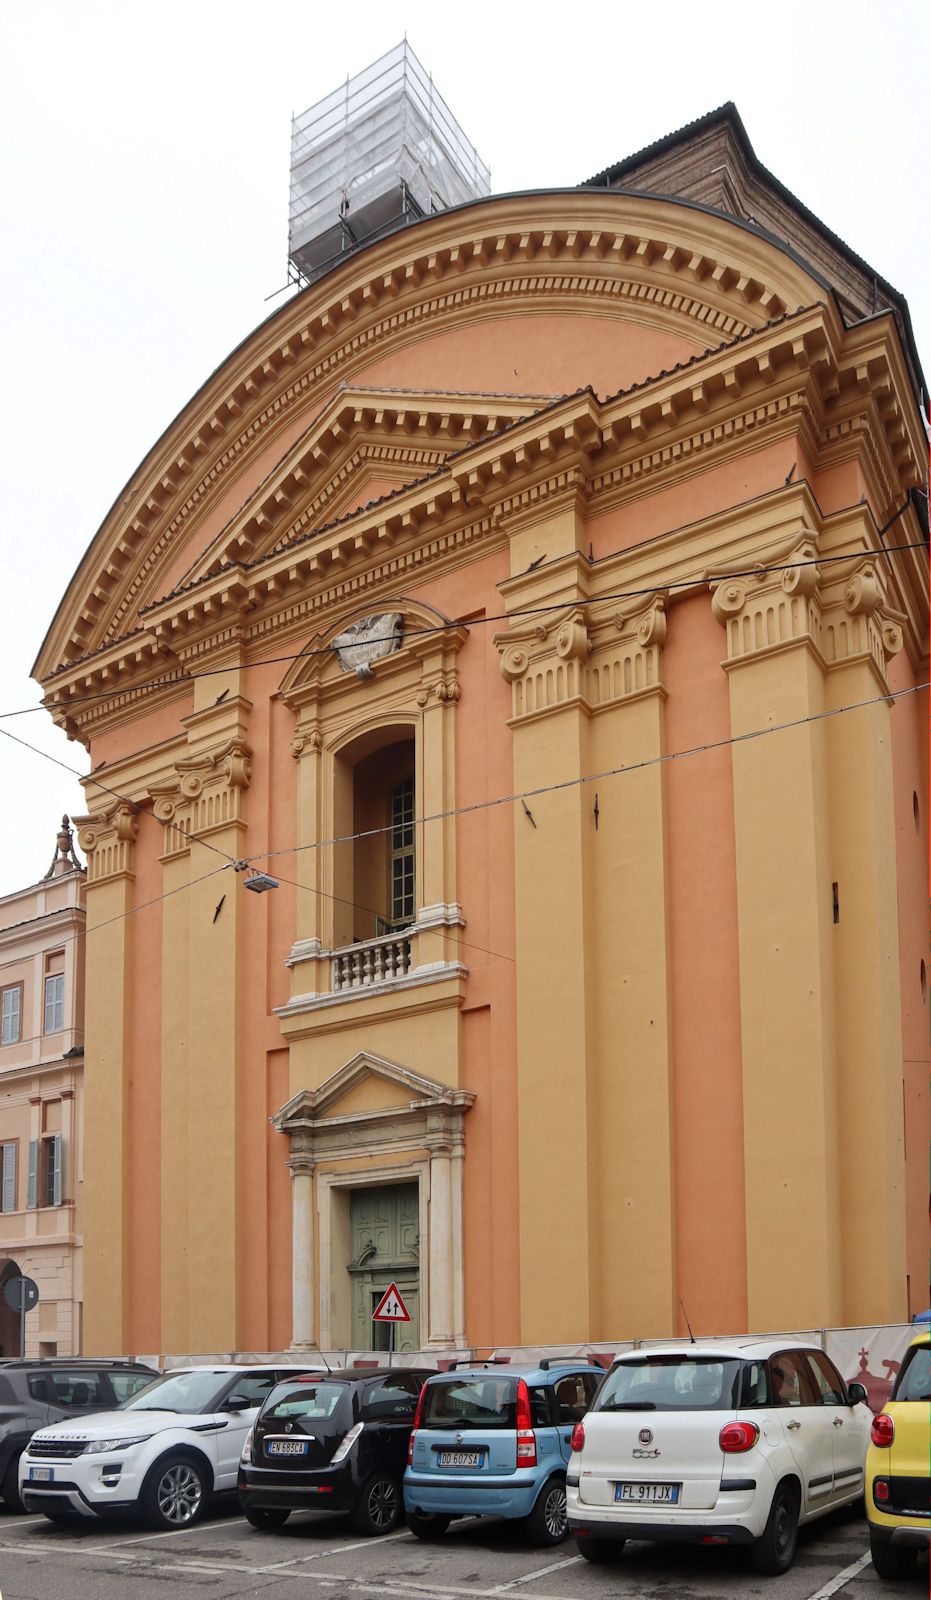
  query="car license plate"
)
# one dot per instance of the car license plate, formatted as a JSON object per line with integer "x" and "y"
{"x": 41, "y": 1475}
{"x": 460, "y": 1458}
{"x": 648, "y": 1494}
{"x": 286, "y": 1447}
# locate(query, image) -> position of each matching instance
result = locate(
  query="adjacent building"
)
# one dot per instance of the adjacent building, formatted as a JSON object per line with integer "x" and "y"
{"x": 539, "y": 599}
{"x": 41, "y": 1105}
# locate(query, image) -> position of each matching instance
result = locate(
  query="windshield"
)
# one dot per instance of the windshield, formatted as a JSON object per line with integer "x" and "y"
{"x": 318, "y": 1400}
{"x": 470, "y": 1403}
{"x": 180, "y": 1391}
{"x": 670, "y": 1383}
{"x": 915, "y": 1378}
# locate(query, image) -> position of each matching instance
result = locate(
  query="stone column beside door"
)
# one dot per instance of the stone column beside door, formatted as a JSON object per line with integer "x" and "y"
{"x": 302, "y": 1250}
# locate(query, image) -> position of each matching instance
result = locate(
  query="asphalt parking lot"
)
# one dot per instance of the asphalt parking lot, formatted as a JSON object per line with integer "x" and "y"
{"x": 317, "y": 1556}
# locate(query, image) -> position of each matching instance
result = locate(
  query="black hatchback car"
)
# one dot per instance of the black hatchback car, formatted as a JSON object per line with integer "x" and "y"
{"x": 332, "y": 1443}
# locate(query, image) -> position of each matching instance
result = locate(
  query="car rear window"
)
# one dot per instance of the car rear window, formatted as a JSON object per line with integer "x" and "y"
{"x": 318, "y": 1400}
{"x": 670, "y": 1383}
{"x": 470, "y": 1403}
{"x": 914, "y": 1382}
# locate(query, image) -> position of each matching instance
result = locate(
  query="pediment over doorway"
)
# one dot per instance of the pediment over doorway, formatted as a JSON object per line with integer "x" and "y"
{"x": 370, "y": 1089}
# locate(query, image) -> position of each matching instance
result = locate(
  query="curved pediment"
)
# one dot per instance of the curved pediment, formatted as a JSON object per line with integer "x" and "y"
{"x": 400, "y": 628}
{"x": 430, "y": 296}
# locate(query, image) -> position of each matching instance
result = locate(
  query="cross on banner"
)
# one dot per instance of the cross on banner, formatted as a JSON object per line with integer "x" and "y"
{"x": 391, "y": 1307}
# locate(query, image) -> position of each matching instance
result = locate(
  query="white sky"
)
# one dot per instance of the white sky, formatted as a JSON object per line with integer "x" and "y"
{"x": 144, "y": 183}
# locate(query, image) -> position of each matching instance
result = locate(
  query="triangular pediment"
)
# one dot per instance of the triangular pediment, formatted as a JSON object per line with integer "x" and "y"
{"x": 365, "y": 445}
{"x": 367, "y": 1086}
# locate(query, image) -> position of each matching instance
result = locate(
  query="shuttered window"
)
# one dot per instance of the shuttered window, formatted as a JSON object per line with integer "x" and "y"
{"x": 51, "y": 1171}
{"x": 8, "y": 1190}
{"x": 12, "y": 1010}
{"x": 31, "y": 1187}
{"x": 54, "y": 1003}
{"x": 46, "y": 1172}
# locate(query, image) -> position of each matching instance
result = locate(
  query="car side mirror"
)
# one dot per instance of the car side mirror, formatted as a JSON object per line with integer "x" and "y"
{"x": 237, "y": 1402}
{"x": 856, "y": 1394}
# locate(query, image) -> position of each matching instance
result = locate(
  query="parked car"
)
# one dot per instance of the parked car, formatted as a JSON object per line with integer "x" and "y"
{"x": 332, "y": 1442}
{"x": 163, "y": 1453}
{"x": 716, "y": 1442}
{"x": 898, "y": 1481}
{"x": 493, "y": 1440}
{"x": 34, "y": 1393}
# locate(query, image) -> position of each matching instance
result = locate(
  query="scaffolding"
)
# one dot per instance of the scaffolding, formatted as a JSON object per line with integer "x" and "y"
{"x": 382, "y": 150}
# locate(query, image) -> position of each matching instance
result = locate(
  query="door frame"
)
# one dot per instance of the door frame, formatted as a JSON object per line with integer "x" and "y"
{"x": 333, "y": 1203}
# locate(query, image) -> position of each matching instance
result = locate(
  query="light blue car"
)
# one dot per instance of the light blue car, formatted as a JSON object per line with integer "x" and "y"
{"x": 491, "y": 1439}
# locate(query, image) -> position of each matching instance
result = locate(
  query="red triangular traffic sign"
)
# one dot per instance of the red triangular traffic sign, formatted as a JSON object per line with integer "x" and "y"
{"x": 391, "y": 1307}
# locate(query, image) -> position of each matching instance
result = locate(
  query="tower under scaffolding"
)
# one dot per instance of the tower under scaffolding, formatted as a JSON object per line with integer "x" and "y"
{"x": 382, "y": 150}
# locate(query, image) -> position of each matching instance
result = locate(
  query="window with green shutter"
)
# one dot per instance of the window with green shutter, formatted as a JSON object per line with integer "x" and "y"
{"x": 401, "y": 853}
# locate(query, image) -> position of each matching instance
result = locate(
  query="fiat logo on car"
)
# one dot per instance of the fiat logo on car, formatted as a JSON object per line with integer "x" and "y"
{"x": 645, "y": 1436}
{"x": 289, "y": 1425}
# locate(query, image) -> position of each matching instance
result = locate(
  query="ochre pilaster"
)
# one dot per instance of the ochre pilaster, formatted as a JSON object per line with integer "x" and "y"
{"x": 108, "y": 840}
{"x": 592, "y": 981}
{"x": 202, "y": 798}
{"x": 862, "y": 634}
{"x": 774, "y": 629}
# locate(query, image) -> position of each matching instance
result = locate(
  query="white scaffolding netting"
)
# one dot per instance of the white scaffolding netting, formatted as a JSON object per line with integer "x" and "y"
{"x": 383, "y": 147}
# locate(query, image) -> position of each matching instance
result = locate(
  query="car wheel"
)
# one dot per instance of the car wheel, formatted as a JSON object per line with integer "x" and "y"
{"x": 379, "y": 1506}
{"x": 890, "y": 1561}
{"x": 427, "y": 1527}
{"x": 173, "y": 1493}
{"x": 265, "y": 1517}
{"x": 548, "y": 1522}
{"x": 600, "y": 1551}
{"x": 9, "y": 1489}
{"x": 774, "y": 1551}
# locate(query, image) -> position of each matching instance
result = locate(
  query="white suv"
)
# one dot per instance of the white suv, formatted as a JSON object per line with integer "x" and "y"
{"x": 716, "y": 1442}
{"x": 162, "y": 1453}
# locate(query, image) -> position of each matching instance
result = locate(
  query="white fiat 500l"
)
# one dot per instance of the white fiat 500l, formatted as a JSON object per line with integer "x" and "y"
{"x": 716, "y": 1442}
{"x": 162, "y": 1454}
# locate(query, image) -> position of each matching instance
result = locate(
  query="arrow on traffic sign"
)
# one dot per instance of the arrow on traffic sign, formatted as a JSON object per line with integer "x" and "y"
{"x": 391, "y": 1307}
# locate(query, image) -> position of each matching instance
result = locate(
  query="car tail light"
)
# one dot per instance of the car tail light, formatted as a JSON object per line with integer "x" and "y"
{"x": 736, "y": 1437}
{"x": 346, "y": 1443}
{"x": 410, "y": 1442}
{"x": 883, "y": 1430}
{"x": 881, "y": 1491}
{"x": 578, "y": 1436}
{"x": 526, "y": 1438}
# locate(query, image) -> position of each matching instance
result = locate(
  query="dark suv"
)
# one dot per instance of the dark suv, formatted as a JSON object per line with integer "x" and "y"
{"x": 35, "y": 1393}
{"x": 333, "y": 1443}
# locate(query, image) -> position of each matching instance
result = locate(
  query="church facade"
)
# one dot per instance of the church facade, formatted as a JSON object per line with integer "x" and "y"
{"x": 532, "y": 613}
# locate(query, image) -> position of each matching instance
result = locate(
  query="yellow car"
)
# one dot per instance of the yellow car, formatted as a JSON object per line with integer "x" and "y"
{"x": 898, "y": 1467}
